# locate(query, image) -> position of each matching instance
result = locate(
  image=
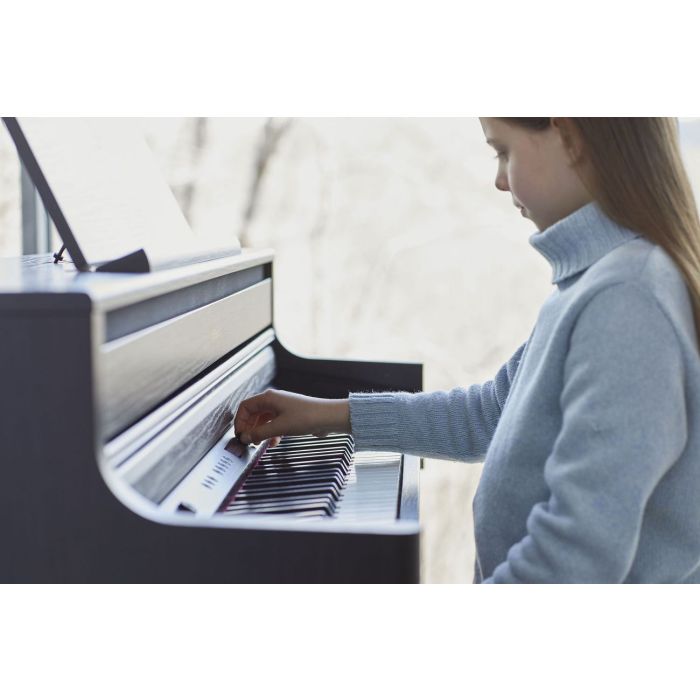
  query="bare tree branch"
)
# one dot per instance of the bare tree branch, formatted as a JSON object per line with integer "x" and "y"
{"x": 272, "y": 133}
{"x": 197, "y": 146}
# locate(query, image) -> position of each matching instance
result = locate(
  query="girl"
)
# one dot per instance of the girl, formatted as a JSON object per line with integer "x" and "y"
{"x": 590, "y": 432}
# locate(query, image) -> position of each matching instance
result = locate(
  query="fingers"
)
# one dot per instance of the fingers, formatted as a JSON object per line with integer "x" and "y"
{"x": 262, "y": 432}
{"x": 252, "y": 411}
{"x": 273, "y": 414}
{"x": 254, "y": 419}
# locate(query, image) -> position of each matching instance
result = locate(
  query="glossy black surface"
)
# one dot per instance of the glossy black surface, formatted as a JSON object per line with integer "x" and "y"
{"x": 60, "y": 522}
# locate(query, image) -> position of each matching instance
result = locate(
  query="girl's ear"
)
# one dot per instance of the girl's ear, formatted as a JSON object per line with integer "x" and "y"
{"x": 570, "y": 138}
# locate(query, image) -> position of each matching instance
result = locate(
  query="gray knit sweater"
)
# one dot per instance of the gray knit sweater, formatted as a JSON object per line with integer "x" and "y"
{"x": 589, "y": 433}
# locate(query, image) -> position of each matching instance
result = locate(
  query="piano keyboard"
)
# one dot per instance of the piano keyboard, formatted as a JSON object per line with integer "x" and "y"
{"x": 310, "y": 477}
{"x": 303, "y": 477}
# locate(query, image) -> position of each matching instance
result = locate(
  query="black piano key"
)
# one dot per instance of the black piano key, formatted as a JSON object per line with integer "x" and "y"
{"x": 282, "y": 493}
{"x": 277, "y": 500}
{"x": 336, "y": 452}
{"x": 299, "y": 469}
{"x": 336, "y": 445}
{"x": 304, "y": 464}
{"x": 343, "y": 452}
{"x": 279, "y": 495}
{"x": 284, "y": 446}
{"x": 309, "y": 452}
{"x": 287, "y": 444}
{"x": 282, "y": 489}
{"x": 304, "y": 478}
{"x": 298, "y": 439}
{"x": 291, "y": 445}
{"x": 301, "y": 476}
{"x": 317, "y": 461}
{"x": 281, "y": 485}
{"x": 277, "y": 475}
{"x": 304, "y": 461}
{"x": 299, "y": 504}
{"x": 317, "y": 468}
{"x": 330, "y": 479}
{"x": 291, "y": 510}
{"x": 308, "y": 501}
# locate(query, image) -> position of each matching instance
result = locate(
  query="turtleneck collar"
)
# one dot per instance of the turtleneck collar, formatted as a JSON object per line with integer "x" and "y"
{"x": 580, "y": 239}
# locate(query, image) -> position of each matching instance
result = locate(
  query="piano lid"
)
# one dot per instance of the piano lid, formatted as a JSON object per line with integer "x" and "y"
{"x": 107, "y": 197}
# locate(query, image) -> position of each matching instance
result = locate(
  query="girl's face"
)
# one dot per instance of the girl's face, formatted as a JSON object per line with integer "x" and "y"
{"x": 536, "y": 168}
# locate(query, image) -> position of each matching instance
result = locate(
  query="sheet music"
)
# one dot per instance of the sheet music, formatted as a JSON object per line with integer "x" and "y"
{"x": 112, "y": 194}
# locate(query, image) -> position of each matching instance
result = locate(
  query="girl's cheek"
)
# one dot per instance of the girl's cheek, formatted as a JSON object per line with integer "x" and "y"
{"x": 519, "y": 187}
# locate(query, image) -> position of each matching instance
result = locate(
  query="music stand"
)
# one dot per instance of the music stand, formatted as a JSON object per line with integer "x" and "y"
{"x": 106, "y": 196}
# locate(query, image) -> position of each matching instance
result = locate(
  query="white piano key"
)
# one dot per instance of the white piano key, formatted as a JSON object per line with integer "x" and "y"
{"x": 373, "y": 491}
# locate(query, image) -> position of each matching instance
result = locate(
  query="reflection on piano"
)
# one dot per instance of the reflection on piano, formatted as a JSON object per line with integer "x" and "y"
{"x": 117, "y": 455}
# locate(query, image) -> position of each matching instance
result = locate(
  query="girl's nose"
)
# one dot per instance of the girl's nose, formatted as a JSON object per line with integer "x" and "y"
{"x": 502, "y": 179}
{"x": 502, "y": 183}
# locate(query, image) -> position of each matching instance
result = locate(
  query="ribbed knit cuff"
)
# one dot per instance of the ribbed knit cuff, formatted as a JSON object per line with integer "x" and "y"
{"x": 374, "y": 420}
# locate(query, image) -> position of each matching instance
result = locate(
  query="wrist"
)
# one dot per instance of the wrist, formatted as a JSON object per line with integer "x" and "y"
{"x": 338, "y": 415}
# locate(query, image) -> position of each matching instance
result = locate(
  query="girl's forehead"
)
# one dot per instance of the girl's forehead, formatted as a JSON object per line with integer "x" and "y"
{"x": 493, "y": 127}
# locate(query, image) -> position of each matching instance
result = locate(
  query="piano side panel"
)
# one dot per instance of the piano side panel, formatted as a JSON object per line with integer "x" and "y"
{"x": 334, "y": 379}
{"x": 47, "y": 420}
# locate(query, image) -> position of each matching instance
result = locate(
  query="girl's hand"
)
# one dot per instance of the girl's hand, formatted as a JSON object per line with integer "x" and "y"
{"x": 275, "y": 413}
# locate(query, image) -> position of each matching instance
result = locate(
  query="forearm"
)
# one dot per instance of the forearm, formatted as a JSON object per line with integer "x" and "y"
{"x": 334, "y": 416}
{"x": 455, "y": 425}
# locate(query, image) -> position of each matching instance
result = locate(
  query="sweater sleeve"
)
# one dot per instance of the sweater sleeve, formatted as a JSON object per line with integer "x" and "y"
{"x": 624, "y": 425}
{"x": 455, "y": 425}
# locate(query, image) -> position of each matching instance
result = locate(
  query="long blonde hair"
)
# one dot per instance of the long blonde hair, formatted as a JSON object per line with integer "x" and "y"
{"x": 640, "y": 182}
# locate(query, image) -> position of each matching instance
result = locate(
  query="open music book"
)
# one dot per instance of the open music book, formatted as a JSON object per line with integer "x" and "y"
{"x": 106, "y": 196}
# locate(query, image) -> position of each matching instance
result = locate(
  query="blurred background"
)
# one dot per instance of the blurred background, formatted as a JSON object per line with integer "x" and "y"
{"x": 391, "y": 243}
